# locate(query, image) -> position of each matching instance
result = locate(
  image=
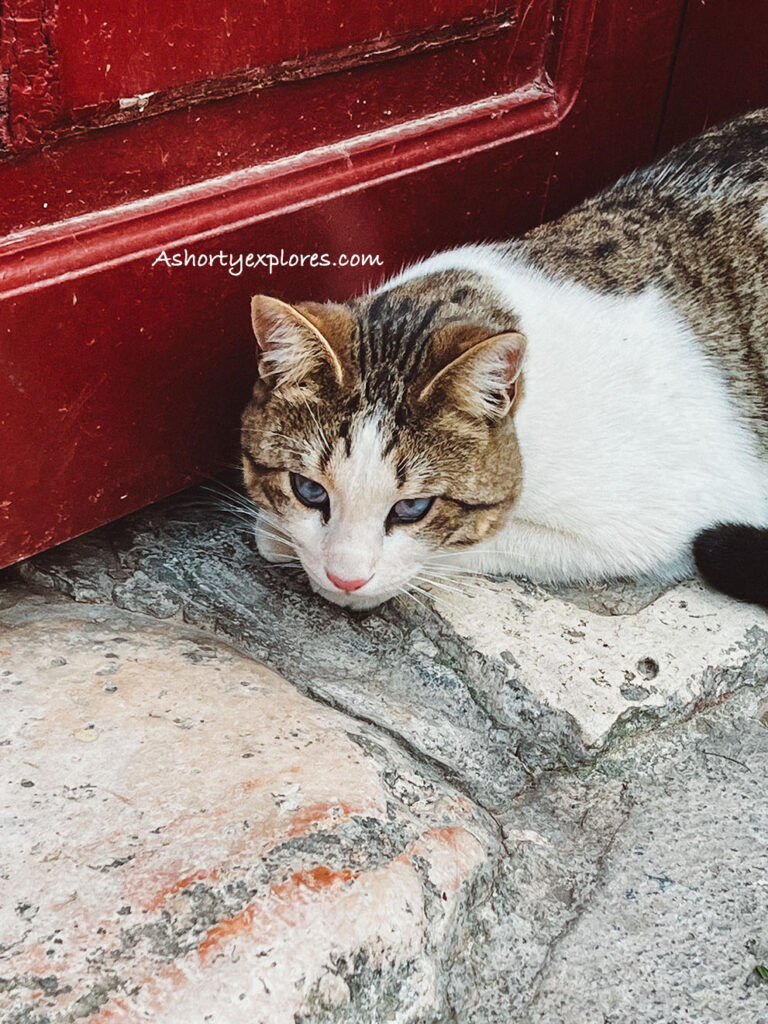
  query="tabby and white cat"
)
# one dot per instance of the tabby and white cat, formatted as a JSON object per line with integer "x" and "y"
{"x": 587, "y": 402}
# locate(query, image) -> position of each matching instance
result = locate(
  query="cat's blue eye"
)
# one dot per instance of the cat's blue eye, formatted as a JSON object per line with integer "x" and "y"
{"x": 309, "y": 492}
{"x": 410, "y": 510}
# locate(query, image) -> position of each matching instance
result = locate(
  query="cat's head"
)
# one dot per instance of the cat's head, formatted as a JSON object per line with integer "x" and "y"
{"x": 380, "y": 435}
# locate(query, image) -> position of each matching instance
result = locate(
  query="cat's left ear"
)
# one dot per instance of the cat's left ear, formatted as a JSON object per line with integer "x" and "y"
{"x": 291, "y": 346}
{"x": 482, "y": 380}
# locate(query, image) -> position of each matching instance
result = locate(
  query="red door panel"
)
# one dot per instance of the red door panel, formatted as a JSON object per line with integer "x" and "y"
{"x": 121, "y": 381}
{"x": 474, "y": 84}
{"x": 112, "y": 49}
{"x": 101, "y": 61}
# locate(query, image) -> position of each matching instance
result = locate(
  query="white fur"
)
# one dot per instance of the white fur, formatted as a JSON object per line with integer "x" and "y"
{"x": 354, "y": 544}
{"x": 630, "y": 443}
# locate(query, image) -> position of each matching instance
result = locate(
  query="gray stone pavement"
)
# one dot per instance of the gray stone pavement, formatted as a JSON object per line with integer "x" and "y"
{"x": 513, "y": 805}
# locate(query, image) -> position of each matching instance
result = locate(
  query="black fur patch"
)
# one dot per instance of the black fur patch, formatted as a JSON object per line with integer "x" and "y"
{"x": 734, "y": 559}
{"x": 603, "y": 249}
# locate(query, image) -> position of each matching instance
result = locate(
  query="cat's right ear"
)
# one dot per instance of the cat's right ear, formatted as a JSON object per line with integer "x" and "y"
{"x": 290, "y": 347}
{"x": 482, "y": 381}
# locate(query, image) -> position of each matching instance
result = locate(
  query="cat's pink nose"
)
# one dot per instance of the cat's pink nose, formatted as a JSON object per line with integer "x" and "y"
{"x": 348, "y": 585}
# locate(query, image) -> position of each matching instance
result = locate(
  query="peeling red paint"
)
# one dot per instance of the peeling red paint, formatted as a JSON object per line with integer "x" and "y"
{"x": 174, "y": 888}
{"x": 30, "y": 73}
{"x": 281, "y": 900}
{"x": 123, "y": 61}
{"x": 305, "y": 818}
{"x": 300, "y": 824}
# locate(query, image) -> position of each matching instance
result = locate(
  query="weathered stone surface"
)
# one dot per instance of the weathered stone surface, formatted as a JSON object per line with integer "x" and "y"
{"x": 533, "y": 755}
{"x": 400, "y": 667}
{"x": 187, "y": 838}
{"x": 515, "y": 678}
{"x": 612, "y": 672}
{"x": 674, "y": 929}
{"x": 635, "y": 894}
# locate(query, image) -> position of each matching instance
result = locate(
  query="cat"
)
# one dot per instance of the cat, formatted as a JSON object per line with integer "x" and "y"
{"x": 589, "y": 401}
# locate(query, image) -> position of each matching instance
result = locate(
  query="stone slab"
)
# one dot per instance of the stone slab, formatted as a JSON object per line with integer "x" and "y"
{"x": 186, "y": 838}
{"x": 611, "y": 672}
{"x": 517, "y": 678}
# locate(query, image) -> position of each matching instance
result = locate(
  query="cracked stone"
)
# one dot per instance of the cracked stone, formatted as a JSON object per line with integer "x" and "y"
{"x": 492, "y": 796}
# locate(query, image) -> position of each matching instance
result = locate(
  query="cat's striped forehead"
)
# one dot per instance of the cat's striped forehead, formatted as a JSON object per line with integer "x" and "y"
{"x": 393, "y": 345}
{"x": 394, "y": 330}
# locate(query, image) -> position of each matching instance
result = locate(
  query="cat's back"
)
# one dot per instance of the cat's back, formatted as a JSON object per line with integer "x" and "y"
{"x": 695, "y": 226}
{"x": 705, "y": 202}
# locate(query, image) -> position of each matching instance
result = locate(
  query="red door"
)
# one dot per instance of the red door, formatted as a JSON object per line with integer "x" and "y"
{"x": 131, "y": 130}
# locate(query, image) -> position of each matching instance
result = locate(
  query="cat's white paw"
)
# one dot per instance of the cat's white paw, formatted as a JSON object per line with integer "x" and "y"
{"x": 270, "y": 549}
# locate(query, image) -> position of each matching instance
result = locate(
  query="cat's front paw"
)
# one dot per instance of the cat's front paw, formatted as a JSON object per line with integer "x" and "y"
{"x": 271, "y": 549}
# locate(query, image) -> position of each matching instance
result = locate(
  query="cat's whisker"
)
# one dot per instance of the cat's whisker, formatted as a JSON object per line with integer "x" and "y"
{"x": 222, "y": 490}
{"x": 463, "y": 552}
{"x": 240, "y": 514}
{"x": 273, "y": 530}
{"x": 268, "y": 513}
{"x": 406, "y": 592}
{"x": 291, "y": 554}
{"x": 274, "y": 533}
{"x": 463, "y": 591}
{"x": 401, "y": 596}
{"x": 186, "y": 522}
{"x": 222, "y": 497}
{"x": 246, "y": 515}
{"x": 420, "y": 590}
{"x": 270, "y": 526}
{"x": 469, "y": 583}
{"x": 466, "y": 570}
{"x": 272, "y": 520}
{"x": 277, "y": 539}
{"x": 205, "y": 503}
{"x": 450, "y": 570}
{"x": 443, "y": 586}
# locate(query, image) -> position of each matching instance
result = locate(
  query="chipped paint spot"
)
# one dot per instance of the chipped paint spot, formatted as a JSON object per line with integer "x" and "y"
{"x": 179, "y": 886}
{"x": 138, "y": 102}
{"x": 306, "y": 818}
{"x": 453, "y": 853}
